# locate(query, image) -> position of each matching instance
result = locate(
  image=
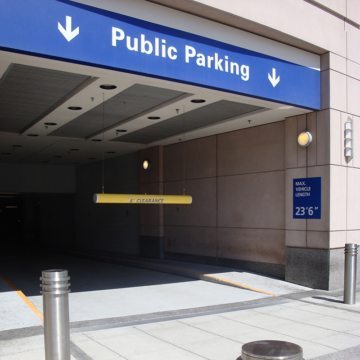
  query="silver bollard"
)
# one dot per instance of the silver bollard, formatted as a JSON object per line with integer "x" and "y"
{"x": 271, "y": 350}
{"x": 351, "y": 251}
{"x": 55, "y": 289}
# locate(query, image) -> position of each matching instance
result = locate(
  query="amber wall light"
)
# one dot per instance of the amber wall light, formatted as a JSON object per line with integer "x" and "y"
{"x": 305, "y": 139}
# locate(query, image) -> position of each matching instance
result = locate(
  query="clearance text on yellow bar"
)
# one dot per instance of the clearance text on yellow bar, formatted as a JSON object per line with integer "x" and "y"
{"x": 142, "y": 199}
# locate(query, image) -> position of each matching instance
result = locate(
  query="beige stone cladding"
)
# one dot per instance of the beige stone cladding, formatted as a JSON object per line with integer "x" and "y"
{"x": 237, "y": 183}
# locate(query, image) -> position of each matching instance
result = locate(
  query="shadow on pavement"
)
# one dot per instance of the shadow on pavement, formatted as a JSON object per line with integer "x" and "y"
{"x": 23, "y": 269}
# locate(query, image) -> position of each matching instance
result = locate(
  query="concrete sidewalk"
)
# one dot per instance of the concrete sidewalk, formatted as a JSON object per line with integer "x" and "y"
{"x": 321, "y": 324}
{"x": 170, "y": 312}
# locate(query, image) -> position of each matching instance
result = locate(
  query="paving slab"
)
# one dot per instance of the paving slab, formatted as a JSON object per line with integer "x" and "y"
{"x": 14, "y": 313}
{"x": 218, "y": 336}
{"x": 348, "y": 354}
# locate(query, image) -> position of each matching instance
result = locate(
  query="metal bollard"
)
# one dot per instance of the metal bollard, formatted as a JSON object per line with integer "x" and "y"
{"x": 271, "y": 350}
{"x": 55, "y": 289}
{"x": 351, "y": 251}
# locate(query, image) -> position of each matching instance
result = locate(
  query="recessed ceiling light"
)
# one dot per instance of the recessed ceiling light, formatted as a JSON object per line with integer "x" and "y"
{"x": 33, "y": 135}
{"x": 108, "y": 87}
{"x": 74, "y": 149}
{"x": 96, "y": 140}
{"x": 74, "y": 107}
{"x": 154, "y": 117}
{"x": 198, "y": 101}
{"x": 50, "y": 124}
{"x": 121, "y": 131}
{"x": 111, "y": 152}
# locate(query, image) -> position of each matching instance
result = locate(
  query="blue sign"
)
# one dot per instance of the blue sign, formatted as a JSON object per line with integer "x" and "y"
{"x": 307, "y": 198}
{"x": 74, "y": 32}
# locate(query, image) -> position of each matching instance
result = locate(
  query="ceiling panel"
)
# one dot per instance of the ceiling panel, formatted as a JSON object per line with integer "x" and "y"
{"x": 204, "y": 116}
{"x": 128, "y": 104}
{"x": 28, "y": 93}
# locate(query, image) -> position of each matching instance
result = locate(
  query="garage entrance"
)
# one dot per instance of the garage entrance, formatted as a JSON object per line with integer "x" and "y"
{"x": 68, "y": 130}
{"x": 72, "y": 125}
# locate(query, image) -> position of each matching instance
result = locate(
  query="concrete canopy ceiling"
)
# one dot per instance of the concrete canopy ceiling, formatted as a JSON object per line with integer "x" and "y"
{"x": 131, "y": 102}
{"x": 38, "y": 125}
{"x": 207, "y": 115}
{"x": 28, "y": 93}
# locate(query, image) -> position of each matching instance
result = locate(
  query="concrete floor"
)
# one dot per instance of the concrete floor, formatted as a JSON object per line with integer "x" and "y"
{"x": 103, "y": 290}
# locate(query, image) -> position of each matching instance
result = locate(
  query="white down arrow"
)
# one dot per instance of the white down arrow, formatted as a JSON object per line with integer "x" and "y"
{"x": 273, "y": 78}
{"x": 67, "y": 32}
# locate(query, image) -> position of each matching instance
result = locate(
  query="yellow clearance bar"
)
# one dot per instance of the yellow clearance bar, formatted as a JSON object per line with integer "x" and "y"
{"x": 142, "y": 199}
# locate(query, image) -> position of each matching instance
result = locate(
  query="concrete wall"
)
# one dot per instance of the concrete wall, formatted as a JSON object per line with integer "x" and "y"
{"x": 237, "y": 183}
{"x": 107, "y": 227}
{"x": 251, "y": 194}
{"x": 37, "y": 178}
{"x": 284, "y": 21}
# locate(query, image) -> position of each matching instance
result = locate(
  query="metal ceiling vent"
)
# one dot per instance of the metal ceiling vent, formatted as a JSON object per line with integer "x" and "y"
{"x": 189, "y": 121}
{"x": 28, "y": 93}
{"x": 126, "y": 105}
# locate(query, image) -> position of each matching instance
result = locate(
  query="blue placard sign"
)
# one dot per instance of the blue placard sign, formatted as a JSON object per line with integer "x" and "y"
{"x": 307, "y": 198}
{"x": 74, "y": 32}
